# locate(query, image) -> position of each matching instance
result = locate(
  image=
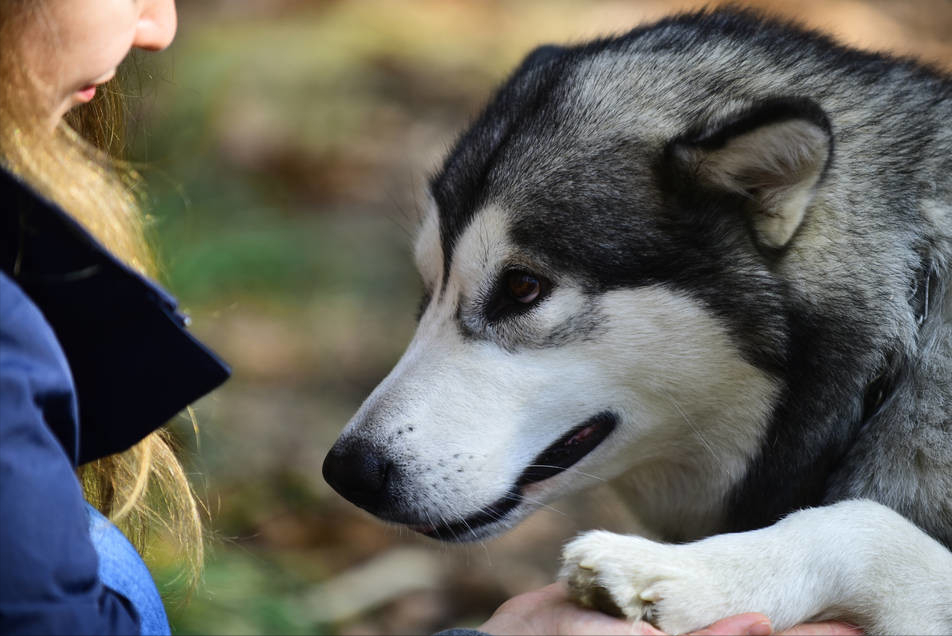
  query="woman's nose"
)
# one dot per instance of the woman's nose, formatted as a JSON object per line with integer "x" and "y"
{"x": 157, "y": 23}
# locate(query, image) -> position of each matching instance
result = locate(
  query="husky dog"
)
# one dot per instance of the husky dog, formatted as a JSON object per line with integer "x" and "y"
{"x": 710, "y": 258}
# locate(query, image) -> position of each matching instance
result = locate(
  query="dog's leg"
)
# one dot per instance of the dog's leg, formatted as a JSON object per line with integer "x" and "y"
{"x": 855, "y": 560}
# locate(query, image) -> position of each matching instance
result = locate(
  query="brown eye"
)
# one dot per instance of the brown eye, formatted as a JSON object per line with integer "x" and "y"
{"x": 523, "y": 287}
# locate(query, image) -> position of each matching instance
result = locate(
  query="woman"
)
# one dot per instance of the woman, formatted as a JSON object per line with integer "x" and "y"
{"x": 93, "y": 357}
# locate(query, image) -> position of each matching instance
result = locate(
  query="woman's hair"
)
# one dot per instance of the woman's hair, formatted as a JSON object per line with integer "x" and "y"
{"x": 78, "y": 165}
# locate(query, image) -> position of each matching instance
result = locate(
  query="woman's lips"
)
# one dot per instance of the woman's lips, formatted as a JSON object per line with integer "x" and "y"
{"x": 86, "y": 94}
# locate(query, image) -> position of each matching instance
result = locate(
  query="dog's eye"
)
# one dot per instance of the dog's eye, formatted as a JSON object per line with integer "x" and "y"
{"x": 517, "y": 291}
{"x": 523, "y": 287}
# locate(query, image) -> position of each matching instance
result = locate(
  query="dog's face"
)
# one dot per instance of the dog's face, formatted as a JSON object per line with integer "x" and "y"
{"x": 582, "y": 318}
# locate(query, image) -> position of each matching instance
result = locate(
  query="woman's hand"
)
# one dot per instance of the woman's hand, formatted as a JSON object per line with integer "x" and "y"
{"x": 550, "y": 611}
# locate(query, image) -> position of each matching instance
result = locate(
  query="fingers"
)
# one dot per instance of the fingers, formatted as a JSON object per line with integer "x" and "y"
{"x": 641, "y": 628}
{"x": 596, "y": 623}
{"x": 759, "y": 625}
{"x": 550, "y": 611}
{"x": 746, "y": 624}
{"x": 828, "y": 628}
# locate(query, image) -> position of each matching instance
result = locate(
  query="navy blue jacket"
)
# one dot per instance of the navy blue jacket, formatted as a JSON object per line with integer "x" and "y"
{"x": 93, "y": 357}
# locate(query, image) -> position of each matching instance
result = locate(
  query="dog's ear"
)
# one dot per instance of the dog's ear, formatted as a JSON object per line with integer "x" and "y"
{"x": 773, "y": 154}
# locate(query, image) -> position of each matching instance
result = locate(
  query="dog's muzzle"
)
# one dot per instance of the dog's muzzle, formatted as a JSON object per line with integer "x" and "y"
{"x": 365, "y": 476}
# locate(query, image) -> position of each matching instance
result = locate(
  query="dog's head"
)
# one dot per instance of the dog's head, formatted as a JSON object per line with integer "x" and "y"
{"x": 599, "y": 299}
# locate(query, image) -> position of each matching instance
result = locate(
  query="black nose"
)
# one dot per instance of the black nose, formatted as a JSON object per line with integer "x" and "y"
{"x": 359, "y": 473}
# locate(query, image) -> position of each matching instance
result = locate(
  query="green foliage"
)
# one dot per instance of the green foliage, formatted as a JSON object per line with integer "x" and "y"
{"x": 291, "y": 261}
{"x": 244, "y": 592}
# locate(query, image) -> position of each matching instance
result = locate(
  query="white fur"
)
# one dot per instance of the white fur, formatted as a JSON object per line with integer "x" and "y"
{"x": 427, "y": 252}
{"x": 838, "y": 561}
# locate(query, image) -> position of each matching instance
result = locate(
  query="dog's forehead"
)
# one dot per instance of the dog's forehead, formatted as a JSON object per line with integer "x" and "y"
{"x": 576, "y": 209}
{"x": 478, "y": 252}
{"x": 560, "y": 147}
{"x": 481, "y": 248}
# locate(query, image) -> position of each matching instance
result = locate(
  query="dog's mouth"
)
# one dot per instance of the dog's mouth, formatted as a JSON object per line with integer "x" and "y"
{"x": 562, "y": 454}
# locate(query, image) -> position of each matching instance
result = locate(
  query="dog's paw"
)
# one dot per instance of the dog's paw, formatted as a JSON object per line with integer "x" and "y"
{"x": 641, "y": 580}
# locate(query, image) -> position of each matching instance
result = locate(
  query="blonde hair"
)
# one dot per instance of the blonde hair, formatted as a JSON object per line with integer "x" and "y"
{"x": 77, "y": 164}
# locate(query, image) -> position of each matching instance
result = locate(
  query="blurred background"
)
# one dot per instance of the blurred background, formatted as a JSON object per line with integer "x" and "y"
{"x": 286, "y": 144}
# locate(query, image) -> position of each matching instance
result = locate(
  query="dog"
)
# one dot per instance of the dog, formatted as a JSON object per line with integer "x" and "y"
{"x": 708, "y": 259}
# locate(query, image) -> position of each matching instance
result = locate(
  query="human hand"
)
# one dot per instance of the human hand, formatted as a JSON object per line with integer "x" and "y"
{"x": 550, "y": 611}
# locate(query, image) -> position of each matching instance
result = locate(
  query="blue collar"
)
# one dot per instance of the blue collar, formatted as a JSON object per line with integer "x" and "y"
{"x": 133, "y": 362}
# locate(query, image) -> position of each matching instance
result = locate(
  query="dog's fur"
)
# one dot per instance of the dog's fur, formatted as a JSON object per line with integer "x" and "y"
{"x": 742, "y": 238}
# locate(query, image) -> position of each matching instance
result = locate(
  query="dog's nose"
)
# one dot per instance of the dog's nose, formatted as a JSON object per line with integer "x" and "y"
{"x": 359, "y": 473}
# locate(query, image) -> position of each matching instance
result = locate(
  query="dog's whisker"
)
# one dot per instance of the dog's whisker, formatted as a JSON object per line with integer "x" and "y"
{"x": 457, "y": 517}
{"x": 544, "y": 505}
{"x": 569, "y": 469}
{"x": 707, "y": 445}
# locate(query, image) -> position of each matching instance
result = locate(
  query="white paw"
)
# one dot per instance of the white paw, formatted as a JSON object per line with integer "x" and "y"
{"x": 664, "y": 585}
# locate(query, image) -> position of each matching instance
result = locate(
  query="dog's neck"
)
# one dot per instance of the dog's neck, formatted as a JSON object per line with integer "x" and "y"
{"x": 679, "y": 501}
{"x": 683, "y": 499}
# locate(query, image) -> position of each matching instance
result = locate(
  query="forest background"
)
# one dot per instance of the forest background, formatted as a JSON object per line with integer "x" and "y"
{"x": 286, "y": 144}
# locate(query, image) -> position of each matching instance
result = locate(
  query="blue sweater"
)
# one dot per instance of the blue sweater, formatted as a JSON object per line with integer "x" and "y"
{"x": 93, "y": 358}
